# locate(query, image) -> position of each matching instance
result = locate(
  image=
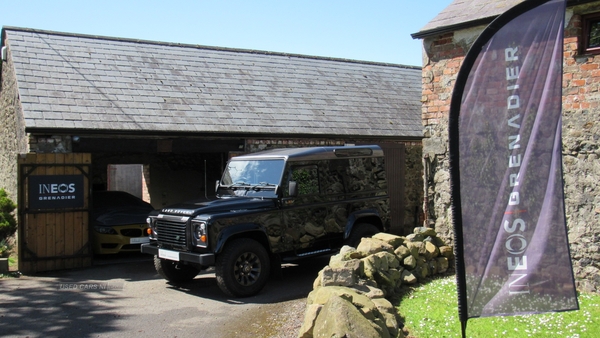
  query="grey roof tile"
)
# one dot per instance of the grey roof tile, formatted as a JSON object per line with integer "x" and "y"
{"x": 465, "y": 11}
{"x": 89, "y": 82}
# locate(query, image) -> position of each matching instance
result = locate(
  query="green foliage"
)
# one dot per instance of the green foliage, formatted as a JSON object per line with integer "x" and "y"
{"x": 5, "y": 248}
{"x": 430, "y": 310}
{"x": 8, "y": 223}
{"x": 308, "y": 180}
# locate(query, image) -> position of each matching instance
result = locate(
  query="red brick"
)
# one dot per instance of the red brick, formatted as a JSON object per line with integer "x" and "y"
{"x": 589, "y": 66}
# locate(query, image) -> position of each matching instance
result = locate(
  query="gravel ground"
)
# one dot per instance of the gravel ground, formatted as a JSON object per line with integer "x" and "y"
{"x": 279, "y": 320}
{"x": 145, "y": 304}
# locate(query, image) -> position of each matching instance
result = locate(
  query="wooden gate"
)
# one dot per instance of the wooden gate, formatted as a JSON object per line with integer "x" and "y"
{"x": 54, "y": 212}
{"x": 395, "y": 169}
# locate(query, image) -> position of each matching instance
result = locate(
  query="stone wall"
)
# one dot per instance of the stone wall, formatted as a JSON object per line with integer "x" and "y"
{"x": 351, "y": 296}
{"x": 581, "y": 149}
{"x": 50, "y": 144}
{"x": 12, "y": 140}
{"x": 443, "y": 57}
{"x": 581, "y": 101}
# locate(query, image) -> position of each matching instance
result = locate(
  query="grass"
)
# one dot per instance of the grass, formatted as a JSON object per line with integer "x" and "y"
{"x": 12, "y": 267}
{"x": 430, "y": 310}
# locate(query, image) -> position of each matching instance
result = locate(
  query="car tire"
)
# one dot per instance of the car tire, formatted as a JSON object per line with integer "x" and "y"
{"x": 360, "y": 231}
{"x": 243, "y": 268}
{"x": 175, "y": 272}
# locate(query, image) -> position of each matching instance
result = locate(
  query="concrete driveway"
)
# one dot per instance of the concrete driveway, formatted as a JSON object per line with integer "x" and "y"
{"x": 126, "y": 297}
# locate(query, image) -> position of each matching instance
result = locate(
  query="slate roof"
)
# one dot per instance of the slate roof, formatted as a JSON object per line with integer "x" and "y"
{"x": 462, "y": 13}
{"x": 77, "y": 82}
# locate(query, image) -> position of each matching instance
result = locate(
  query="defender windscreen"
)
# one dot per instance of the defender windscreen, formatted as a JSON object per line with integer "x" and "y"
{"x": 256, "y": 172}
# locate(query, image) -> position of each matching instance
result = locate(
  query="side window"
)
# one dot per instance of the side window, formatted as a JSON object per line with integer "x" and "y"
{"x": 307, "y": 178}
{"x": 366, "y": 174}
{"x": 590, "y": 43}
{"x": 333, "y": 175}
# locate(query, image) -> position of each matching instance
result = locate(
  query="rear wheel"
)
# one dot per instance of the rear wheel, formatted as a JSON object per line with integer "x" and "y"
{"x": 175, "y": 272}
{"x": 243, "y": 268}
{"x": 360, "y": 231}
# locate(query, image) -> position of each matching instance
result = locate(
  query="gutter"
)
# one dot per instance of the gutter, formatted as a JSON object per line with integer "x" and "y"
{"x": 170, "y": 134}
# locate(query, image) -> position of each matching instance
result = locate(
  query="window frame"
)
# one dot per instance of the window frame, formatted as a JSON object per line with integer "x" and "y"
{"x": 586, "y": 23}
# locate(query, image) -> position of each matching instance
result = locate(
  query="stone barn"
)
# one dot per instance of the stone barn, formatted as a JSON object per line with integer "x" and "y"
{"x": 161, "y": 119}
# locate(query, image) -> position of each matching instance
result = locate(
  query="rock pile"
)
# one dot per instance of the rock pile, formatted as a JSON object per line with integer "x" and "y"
{"x": 350, "y": 296}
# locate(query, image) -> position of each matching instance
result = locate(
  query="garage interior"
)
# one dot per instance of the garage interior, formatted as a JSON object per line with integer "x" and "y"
{"x": 166, "y": 171}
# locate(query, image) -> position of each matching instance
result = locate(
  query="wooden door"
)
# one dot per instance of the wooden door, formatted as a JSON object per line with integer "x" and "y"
{"x": 54, "y": 212}
{"x": 395, "y": 168}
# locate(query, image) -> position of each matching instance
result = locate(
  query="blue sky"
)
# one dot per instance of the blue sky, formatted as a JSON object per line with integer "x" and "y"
{"x": 370, "y": 30}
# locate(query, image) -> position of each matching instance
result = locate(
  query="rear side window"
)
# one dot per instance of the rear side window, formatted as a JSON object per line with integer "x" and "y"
{"x": 366, "y": 174}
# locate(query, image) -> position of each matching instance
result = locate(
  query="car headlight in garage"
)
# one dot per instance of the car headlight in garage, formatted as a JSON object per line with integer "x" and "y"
{"x": 200, "y": 233}
{"x": 105, "y": 230}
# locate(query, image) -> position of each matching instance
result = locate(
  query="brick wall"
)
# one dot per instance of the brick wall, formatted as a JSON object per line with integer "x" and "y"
{"x": 581, "y": 130}
{"x": 443, "y": 57}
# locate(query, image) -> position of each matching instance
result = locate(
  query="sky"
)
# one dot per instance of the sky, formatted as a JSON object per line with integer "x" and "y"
{"x": 367, "y": 30}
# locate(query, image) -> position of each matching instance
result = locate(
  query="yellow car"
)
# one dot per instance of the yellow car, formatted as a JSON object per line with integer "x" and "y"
{"x": 118, "y": 222}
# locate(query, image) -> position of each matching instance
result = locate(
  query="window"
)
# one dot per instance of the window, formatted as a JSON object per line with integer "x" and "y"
{"x": 590, "y": 34}
{"x": 307, "y": 179}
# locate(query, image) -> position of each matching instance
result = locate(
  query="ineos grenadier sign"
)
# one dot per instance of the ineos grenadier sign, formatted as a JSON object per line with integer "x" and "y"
{"x": 58, "y": 191}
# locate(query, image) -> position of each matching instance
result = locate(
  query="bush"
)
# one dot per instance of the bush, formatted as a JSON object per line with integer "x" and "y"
{"x": 5, "y": 248}
{"x": 8, "y": 223}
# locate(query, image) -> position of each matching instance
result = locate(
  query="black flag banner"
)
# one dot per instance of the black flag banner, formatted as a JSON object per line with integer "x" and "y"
{"x": 512, "y": 251}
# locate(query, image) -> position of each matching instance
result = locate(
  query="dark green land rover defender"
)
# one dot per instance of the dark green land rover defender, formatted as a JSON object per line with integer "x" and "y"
{"x": 273, "y": 206}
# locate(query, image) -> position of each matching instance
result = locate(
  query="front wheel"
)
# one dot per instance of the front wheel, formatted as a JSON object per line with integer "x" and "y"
{"x": 243, "y": 268}
{"x": 175, "y": 272}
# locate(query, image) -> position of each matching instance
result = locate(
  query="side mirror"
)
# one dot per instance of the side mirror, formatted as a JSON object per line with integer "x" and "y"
{"x": 293, "y": 188}
{"x": 217, "y": 185}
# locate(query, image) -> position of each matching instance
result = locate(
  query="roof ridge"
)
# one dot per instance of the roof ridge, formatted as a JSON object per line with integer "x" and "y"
{"x": 197, "y": 46}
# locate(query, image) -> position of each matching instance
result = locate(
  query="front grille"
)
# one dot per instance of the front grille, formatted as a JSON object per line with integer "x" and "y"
{"x": 132, "y": 232}
{"x": 171, "y": 233}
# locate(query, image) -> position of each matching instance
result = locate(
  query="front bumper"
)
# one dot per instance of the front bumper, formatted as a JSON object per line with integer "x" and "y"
{"x": 207, "y": 259}
{"x": 127, "y": 239}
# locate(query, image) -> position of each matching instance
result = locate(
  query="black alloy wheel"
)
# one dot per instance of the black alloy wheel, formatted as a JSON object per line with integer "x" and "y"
{"x": 243, "y": 268}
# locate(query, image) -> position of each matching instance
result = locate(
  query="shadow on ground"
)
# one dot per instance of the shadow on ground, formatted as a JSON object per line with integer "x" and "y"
{"x": 120, "y": 297}
{"x": 295, "y": 281}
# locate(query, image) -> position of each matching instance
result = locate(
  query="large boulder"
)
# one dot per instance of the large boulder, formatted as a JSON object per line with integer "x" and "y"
{"x": 340, "y": 318}
{"x": 414, "y": 248}
{"x": 339, "y": 276}
{"x": 388, "y": 311}
{"x": 393, "y": 240}
{"x": 369, "y": 246}
{"x": 430, "y": 250}
{"x": 402, "y": 252}
{"x": 408, "y": 277}
{"x": 310, "y": 316}
{"x": 388, "y": 260}
{"x": 447, "y": 251}
{"x": 425, "y": 232}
